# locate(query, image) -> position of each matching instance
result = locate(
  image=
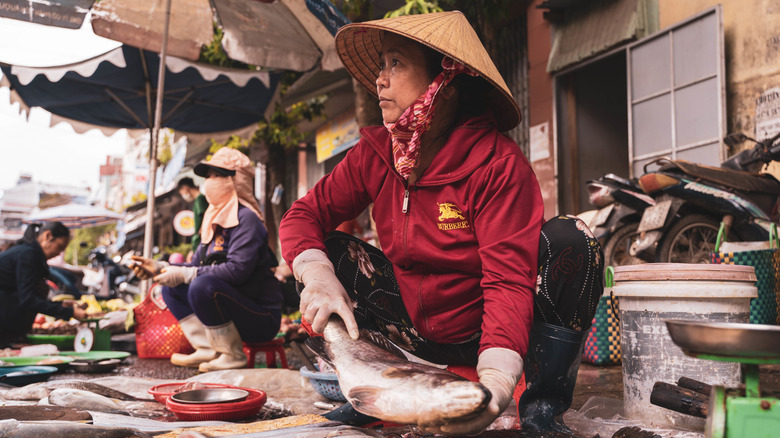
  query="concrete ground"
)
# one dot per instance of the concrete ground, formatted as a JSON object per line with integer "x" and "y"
{"x": 592, "y": 380}
{"x": 601, "y": 381}
{"x": 605, "y": 381}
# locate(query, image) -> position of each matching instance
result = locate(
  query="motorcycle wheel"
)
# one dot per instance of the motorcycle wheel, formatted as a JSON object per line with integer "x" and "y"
{"x": 617, "y": 245}
{"x": 690, "y": 240}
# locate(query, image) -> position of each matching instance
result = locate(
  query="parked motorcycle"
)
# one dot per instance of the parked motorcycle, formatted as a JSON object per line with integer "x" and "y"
{"x": 66, "y": 279}
{"x": 103, "y": 277}
{"x": 112, "y": 279}
{"x": 620, "y": 202}
{"x": 692, "y": 200}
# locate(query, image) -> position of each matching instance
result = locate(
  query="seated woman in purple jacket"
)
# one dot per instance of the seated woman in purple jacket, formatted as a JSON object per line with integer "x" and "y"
{"x": 228, "y": 293}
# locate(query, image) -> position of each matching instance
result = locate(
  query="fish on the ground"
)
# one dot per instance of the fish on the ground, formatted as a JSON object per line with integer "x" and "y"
{"x": 148, "y": 425}
{"x": 80, "y": 399}
{"x": 42, "y": 413}
{"x": 379, "y": 381}
{"x": 63, "y": 429}
{"x": 137, "y": 387}
{"x": 319, "y": 430}
{"x": 37, "y": 391}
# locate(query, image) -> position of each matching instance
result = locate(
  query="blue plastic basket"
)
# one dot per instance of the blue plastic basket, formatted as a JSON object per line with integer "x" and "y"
{"x": 327, "y": 384}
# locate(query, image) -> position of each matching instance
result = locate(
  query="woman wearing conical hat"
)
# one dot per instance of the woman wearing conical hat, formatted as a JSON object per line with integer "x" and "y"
{"x": 463, "y": 274}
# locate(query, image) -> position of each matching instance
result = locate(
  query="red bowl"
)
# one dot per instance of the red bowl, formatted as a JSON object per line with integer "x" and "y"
{"x": 162, "y": 392}
{"x": 219, "y": 411}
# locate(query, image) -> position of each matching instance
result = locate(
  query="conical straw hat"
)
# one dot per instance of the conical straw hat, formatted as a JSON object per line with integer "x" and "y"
{"x": 358, "y": 46}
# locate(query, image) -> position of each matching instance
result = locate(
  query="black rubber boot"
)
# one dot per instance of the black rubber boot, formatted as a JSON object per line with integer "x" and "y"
{"x": 551, "y": 365}
{"x": 348, "y": 415}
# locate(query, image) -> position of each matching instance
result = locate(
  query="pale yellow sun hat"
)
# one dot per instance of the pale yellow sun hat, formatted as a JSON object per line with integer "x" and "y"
{"x": 449, "y": 33}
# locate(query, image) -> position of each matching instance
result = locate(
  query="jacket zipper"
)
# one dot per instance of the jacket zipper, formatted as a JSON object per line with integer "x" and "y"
{"x": 405, "y": 211}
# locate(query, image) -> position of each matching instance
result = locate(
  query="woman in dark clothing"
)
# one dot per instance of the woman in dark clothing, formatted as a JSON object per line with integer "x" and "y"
{"x": 23, "y": 273}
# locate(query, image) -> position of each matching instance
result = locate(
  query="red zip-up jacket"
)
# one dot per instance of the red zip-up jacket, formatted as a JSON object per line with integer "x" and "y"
{"x": 463, "y": 239}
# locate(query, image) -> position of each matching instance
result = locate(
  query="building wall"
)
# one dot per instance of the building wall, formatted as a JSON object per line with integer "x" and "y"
{"x": 540, "y": 102}
{"x": 752, "y": 39}
{"x": 752, "y": 59}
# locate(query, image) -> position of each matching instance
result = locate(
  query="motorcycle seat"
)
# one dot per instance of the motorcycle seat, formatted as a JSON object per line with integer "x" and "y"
{"x": 738, "y": 179}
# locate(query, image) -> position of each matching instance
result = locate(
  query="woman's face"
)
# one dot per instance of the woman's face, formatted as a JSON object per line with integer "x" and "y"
{"x": 52, "y": 246}
{"x": 403, "y": 76}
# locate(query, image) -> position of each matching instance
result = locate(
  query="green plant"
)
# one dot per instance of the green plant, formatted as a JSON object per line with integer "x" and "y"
{"x": 281, "y": 129}
{"x": 164, "y": 153}
{"x": 234, "y": 142}
{"x": 214, "y": 54}
{"x": 413, "y": 7}
{"x": 354, "y": 9}
{"x": 92, "y": 237}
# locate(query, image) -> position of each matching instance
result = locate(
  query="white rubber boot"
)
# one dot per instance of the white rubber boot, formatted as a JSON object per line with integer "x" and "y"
{"x": 225, "y": 340}
{"x": 195, "y": 332}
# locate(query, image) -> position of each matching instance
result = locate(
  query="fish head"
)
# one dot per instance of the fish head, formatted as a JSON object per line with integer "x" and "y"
{"x": 454, "y": 401}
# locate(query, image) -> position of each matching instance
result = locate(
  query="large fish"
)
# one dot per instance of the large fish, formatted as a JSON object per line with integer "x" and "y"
{"x": 385, "y": 385}
{"x": 85, "y": 400}
{"x": 37, "y": 391}
{"x": 63, "y": 429}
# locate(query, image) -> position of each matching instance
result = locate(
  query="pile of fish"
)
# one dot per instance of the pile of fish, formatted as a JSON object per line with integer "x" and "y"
{"x": 373, "y": 374}
{"x": 379, "y": 381}
{"x": 87, "y": 396}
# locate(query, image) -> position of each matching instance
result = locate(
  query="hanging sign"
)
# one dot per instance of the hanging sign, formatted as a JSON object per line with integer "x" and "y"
{"x": 184, "y": 223}
{"x": 768, "y": 114}
{"x": 339, "y": 134}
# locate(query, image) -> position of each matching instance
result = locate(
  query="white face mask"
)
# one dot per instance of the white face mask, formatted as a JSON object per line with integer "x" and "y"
{"x": 187, "y": 196}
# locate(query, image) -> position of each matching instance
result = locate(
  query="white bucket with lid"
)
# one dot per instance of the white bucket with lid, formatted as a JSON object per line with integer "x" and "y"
{"x": 650, "y": 294}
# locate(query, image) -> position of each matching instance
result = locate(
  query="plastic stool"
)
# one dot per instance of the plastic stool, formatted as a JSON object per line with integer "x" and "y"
{"x": 270, "y": 348}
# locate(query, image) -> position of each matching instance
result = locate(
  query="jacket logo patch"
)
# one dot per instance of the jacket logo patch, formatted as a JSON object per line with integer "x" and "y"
{"x": 219, "y": 243}
{"x": 448, "y": 212}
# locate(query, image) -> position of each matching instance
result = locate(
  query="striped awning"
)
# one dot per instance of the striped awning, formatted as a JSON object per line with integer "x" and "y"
{"x": 75, "y": 216}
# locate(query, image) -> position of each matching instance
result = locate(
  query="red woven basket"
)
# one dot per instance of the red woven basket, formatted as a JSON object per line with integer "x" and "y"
{"x": 157, "y": 332}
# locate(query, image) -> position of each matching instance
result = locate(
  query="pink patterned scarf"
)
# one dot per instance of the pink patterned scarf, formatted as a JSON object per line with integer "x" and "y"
{"x": 409, "y": 128}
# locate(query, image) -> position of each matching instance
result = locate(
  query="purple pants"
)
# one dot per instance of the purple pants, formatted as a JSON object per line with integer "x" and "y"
{"x": 216, "y": 302}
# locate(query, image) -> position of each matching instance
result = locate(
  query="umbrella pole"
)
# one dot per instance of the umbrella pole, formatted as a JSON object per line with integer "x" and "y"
{"x": 150, "y": 201}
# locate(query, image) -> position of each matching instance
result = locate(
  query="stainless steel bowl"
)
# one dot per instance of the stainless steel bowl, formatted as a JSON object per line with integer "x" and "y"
{"x": 210, "y": 395}
{"x": 726, "y": 339}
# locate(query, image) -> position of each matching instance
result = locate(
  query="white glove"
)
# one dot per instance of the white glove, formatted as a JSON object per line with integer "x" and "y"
{"x": 172, "y": 276}
{"x": 323, "y": 293}
{"x": 499, "y": 369}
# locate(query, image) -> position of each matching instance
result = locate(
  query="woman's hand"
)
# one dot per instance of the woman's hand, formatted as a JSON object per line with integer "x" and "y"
{"x": 323, "y": 293}
{"x": 79, "y": 313}
{"x": 173, "y": 276}
{"x": 79, "y": 308}
{"x": 145, "y": 268}
{"x": 499, "y": 370}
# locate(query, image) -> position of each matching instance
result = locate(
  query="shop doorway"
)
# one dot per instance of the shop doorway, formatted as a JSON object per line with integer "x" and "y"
{"x": 592, "y": 128}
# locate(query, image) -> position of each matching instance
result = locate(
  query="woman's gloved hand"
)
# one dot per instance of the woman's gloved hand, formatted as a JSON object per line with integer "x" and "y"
{"x": 499, "y": 369}
{"x": 173, "y": 276}
{"x": 323, "y": 293}
{"x": 146, "y": 268}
